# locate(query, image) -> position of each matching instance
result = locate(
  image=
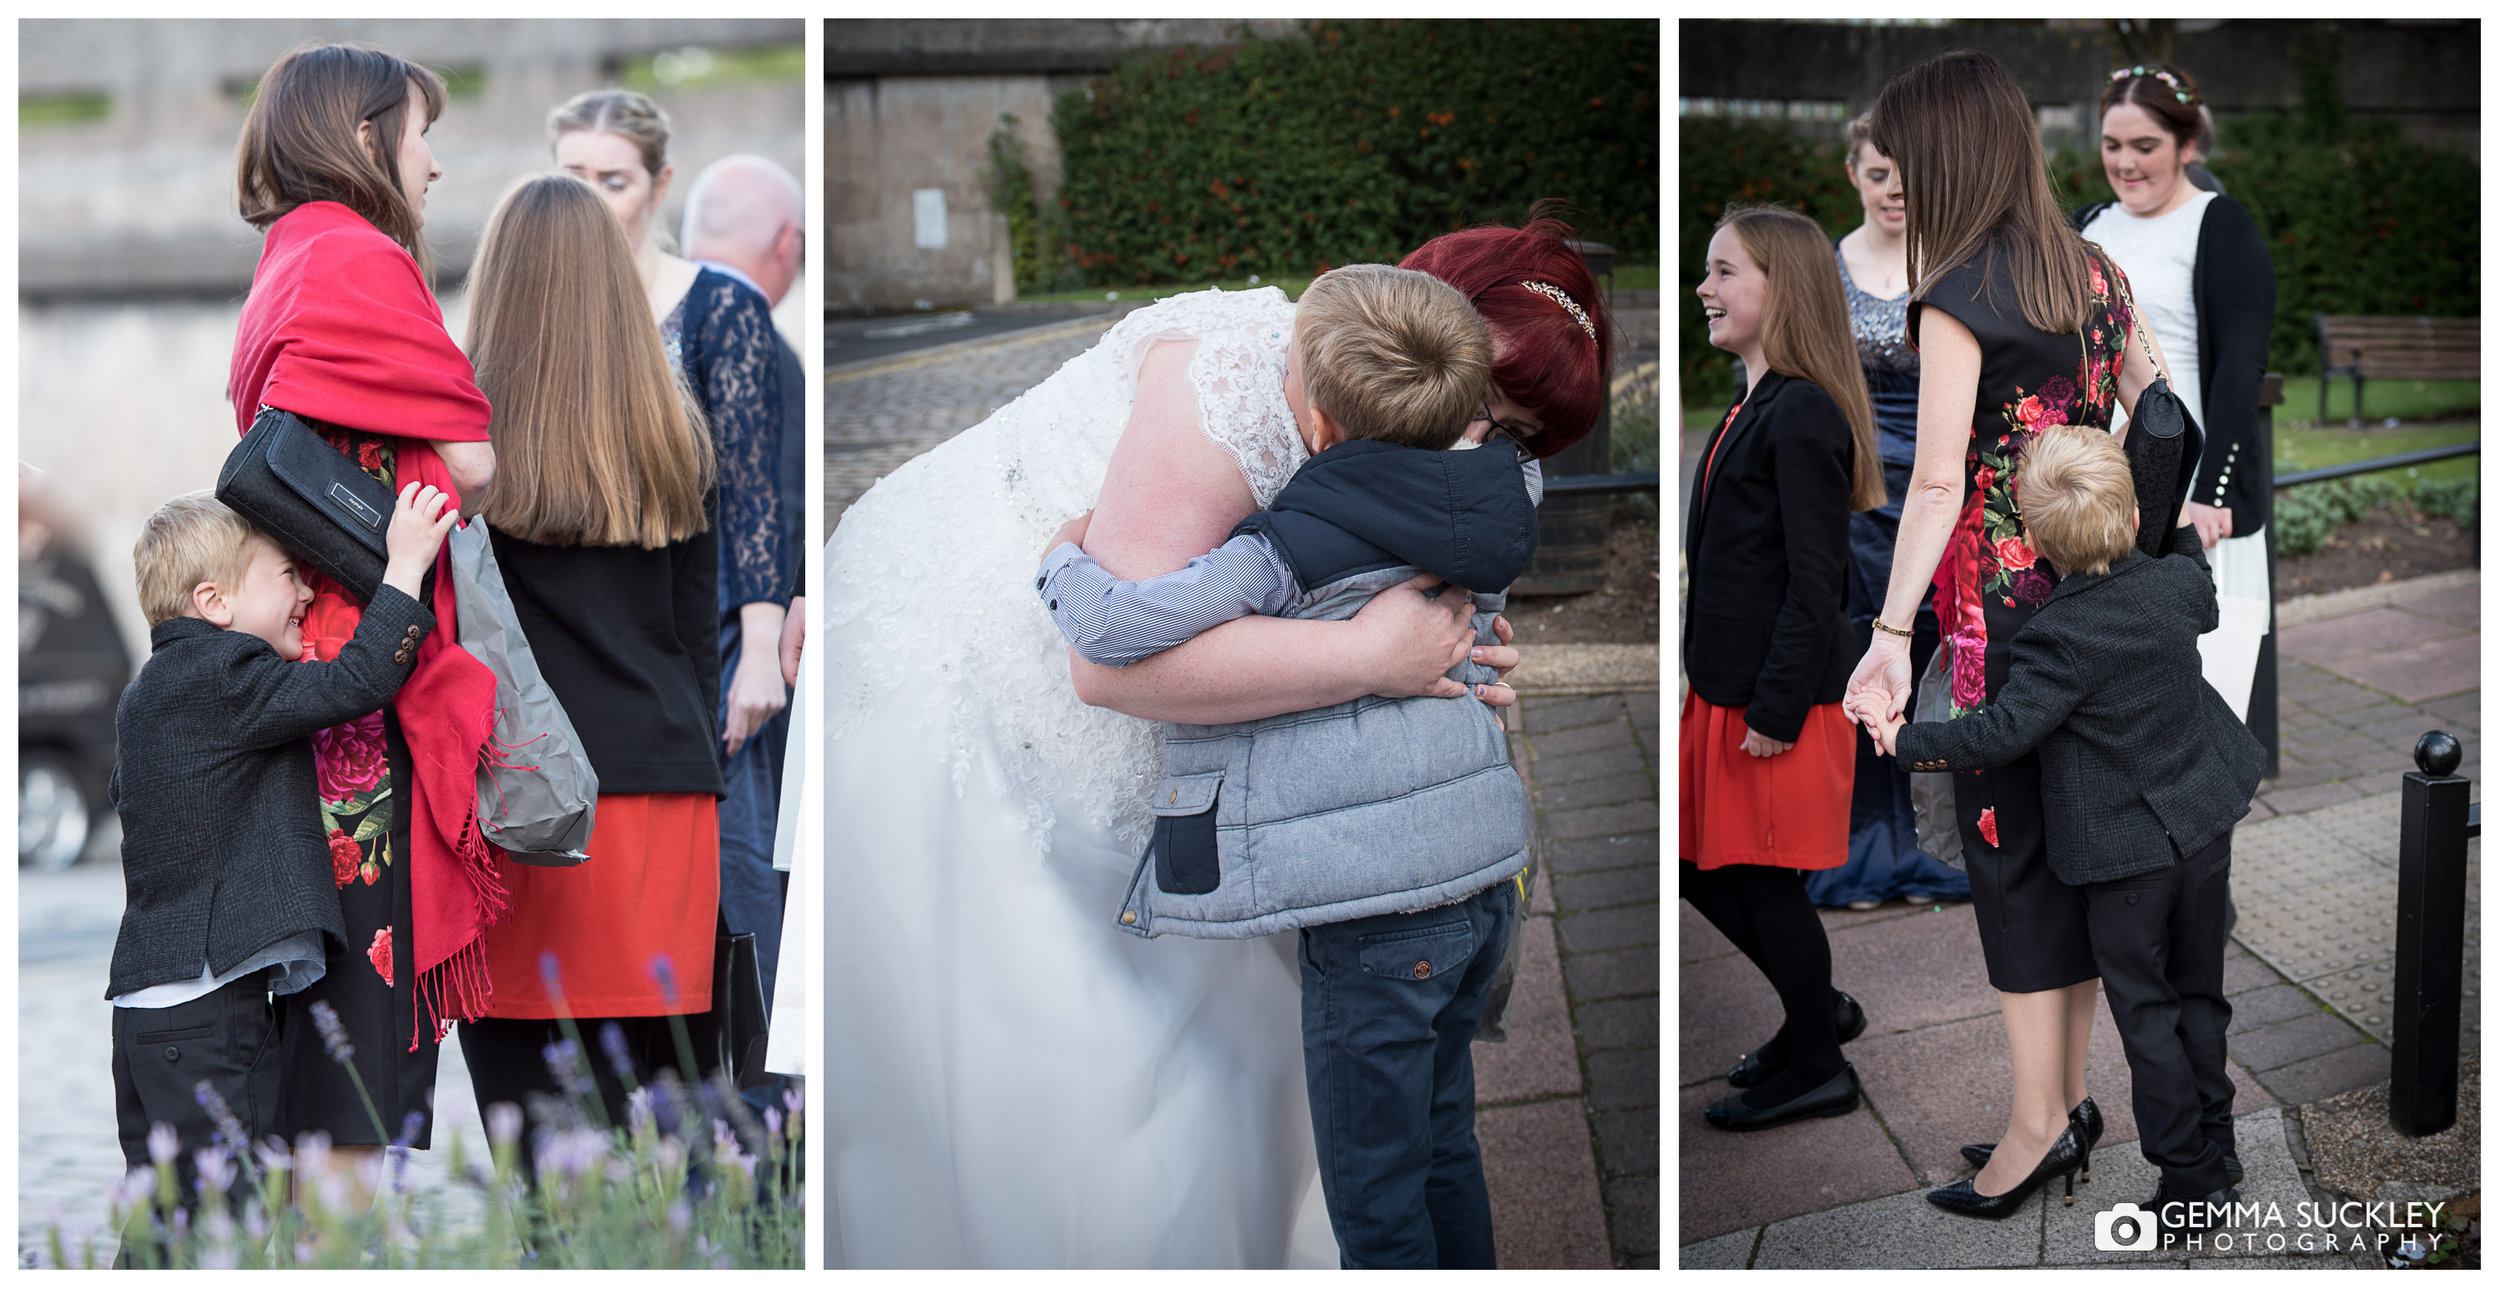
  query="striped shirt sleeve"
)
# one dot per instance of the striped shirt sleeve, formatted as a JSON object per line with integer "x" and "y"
{"x": 1115, "y": 623}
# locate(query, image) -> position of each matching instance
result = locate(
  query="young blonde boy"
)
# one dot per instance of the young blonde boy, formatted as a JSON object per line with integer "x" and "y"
{"x": 1383, "y": 828}
{"x": 2144, "y": 770}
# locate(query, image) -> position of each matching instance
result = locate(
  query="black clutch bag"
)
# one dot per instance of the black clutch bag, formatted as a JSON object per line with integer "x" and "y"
{"x": 738, "y": 1005}
{"x": 2163, "y": 448}
{"x": 308, "y": 496}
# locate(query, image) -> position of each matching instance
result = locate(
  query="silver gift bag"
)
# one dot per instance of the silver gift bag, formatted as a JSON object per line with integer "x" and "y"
{"x": 1931, "y": 794}
{"x": 535, "y": 790}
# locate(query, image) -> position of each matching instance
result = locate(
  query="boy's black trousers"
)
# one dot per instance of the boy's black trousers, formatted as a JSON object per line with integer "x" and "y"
{"x": 2158, "y": 939}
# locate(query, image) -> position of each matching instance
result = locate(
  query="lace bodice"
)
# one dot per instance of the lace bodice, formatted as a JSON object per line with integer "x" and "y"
{"x": 720, "y": 339}
{"x": 929, "y": 578}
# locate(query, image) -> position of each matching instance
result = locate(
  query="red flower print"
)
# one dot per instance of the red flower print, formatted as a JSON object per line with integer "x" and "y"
{"x": 369, "y": 455}
{"x": 371, "y": 872}
{"x": 379, "y": 952}
{"x": 1987, "y": 477}
{"x": 2014, "y": 553}
{"x": 2100, "y": 285}
{"x": 1987, "y": 829}
{"x": 344, "y": 857}
{"x": 2028, "y": 411}
{"x": 347, "y": 759}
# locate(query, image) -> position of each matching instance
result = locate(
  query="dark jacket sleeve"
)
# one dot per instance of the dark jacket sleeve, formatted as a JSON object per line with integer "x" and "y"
{"x": 2185, "y": 544}
{"x": 278, "y": 701}
{"x": 2235, "y": 286}
{"x": 2042, "y": 686}
{"x": 1811, "y": 455}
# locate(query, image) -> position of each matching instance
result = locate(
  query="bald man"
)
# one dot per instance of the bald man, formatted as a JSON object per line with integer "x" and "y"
{"x": 746, "y": 218}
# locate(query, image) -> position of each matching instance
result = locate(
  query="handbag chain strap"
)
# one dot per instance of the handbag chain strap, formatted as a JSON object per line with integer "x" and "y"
{"x": 2136, "y": 322}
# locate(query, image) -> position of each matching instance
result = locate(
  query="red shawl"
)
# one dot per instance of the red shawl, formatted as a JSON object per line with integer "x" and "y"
{"x": 341, "y": 328}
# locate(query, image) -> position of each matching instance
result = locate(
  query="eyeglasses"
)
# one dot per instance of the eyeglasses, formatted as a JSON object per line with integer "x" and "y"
{"x": 1517, "y": 436}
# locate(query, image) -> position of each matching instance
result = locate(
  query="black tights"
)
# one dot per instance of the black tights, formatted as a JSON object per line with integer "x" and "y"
{"x": 1765, "y": 913}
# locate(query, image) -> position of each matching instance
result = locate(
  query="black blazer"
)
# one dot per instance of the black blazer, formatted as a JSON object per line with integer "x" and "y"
{"x": 2141, "y": 762}
{"x": 223, "y": 846}
{"x": 2233, "y": 290}
{"x": 1767, "y": 547}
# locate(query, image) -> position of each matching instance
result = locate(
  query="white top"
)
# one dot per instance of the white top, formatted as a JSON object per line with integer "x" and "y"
{"x": 293, "y": 965}
{"x": 2158, "y": 255}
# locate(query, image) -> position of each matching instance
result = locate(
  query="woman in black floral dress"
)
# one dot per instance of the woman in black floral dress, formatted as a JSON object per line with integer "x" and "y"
{"x": 2019, "y": 325}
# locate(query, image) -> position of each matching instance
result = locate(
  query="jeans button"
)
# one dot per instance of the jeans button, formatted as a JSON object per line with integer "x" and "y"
{"x": 1423, "y": 970}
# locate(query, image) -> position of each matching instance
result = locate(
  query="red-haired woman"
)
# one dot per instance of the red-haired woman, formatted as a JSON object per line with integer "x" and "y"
{"x": 1020, "y": 1082}
{"x": 342, "y": 330}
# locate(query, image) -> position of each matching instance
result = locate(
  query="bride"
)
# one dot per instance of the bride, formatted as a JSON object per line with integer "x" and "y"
{"x": 1009, "y": 1080}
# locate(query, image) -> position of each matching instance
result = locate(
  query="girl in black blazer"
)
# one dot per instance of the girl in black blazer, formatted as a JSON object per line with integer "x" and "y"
{"x": 1766, "y": 754}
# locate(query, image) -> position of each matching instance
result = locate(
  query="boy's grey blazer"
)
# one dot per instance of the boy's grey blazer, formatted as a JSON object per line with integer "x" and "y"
{"x": 2141, "y": 762}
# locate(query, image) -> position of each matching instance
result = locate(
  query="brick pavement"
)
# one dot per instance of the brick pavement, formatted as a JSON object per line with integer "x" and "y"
{"x": 2309, "y": 976}
{"x": 1591, "y": 762}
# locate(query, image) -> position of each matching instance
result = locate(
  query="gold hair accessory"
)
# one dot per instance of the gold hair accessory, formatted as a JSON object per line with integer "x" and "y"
{"x": 1555, "y": 293}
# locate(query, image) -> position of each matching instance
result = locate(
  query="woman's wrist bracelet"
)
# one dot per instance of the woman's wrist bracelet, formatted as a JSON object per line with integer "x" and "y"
{"x": 1888, "y": 629}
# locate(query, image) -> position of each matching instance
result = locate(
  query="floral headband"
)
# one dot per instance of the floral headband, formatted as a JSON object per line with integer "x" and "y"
{"x": 2186, "y": 96}
{"x": 1558, "y": 296}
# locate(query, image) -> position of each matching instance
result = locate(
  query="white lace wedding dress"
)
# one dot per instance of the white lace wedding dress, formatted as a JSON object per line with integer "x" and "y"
{"x": 1009, "y": 1080}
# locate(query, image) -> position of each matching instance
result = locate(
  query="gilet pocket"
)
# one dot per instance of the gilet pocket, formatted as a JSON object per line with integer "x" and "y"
{"x": 1184, "y": 837}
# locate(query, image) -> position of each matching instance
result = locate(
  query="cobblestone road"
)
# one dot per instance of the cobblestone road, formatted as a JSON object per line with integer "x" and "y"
{"x": 879, "y": 418}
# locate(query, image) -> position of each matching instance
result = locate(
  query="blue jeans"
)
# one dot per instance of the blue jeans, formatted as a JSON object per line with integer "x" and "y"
{"x": 750, "y": 888}
{"x": 1389, "y": 1006}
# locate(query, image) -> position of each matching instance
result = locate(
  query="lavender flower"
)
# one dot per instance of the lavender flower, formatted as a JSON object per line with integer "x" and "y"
{"x": 503, "y": 1123}
{"x": 549, "y": 973}
{"x": 620, "y": 1058}
{"x": 164, "y": 1145}
{"x": 131, "y": 1193}
{"x": 216, "y": 1169}
{"x": 564, "y": 1060}
{"x": 727, "y": 1148}
{"x": 638, "y": 1117}
{"x": 680, "y": 1218}
{"x": 792, "y": 1101}
{"x": 333, "y": 1034}
{"x": 665, "y": 972}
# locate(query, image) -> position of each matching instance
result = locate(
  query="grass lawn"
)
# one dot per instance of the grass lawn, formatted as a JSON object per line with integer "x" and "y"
{"x": 2299, "y": 447}
{"x": 2407, "y": 400}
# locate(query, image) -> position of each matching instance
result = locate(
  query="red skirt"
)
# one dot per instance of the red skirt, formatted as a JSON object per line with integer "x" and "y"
{"x": 1787, "y": 811}
{"x": 650, "y": 890}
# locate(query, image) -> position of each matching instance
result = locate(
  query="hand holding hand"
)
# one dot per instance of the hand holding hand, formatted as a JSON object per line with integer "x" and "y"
{"x": 1414, "y": 636}
{"x": 1888, "y": 735}
{"x": 418, "y": 525}
{"x": 1881, "y": 684}
{"x": 1502, "y": 659}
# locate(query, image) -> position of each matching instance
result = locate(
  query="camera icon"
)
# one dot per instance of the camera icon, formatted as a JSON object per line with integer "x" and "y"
{"x": 2127, "y": 1228}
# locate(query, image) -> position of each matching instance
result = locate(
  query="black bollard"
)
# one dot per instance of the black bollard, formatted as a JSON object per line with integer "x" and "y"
{"x": 2430, "y": 939}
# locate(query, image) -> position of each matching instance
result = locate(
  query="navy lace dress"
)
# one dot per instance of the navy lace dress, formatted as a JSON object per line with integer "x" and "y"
{"x": 1885, "y": 861}
{"x": 720, "y": 337}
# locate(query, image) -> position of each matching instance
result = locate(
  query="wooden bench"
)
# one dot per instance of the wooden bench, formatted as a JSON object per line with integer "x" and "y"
{"x": 2395, "y": 349}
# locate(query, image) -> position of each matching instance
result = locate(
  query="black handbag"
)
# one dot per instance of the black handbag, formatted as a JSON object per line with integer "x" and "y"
{"x": 2163, "y": 448}
{"x": 309, "y": 497}
{"x": 738, "y": 1005}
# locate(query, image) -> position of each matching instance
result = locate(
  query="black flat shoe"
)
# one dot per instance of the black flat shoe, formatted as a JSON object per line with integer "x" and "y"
{"x": 2187, "y": 1219}
{"x": 1963, "y": 1197}
{"x": 1837, "y": 1096}
{"x": 1848, "y": 1020}
{"x": 2086, "y": 1116}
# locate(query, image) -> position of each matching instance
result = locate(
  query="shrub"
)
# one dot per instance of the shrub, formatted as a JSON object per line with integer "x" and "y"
{"x": 2458, "y": 499}
{"x": 1355, "y": 142}
{"x": 2306, "y": 516}
{"x": 1632, "y": 445}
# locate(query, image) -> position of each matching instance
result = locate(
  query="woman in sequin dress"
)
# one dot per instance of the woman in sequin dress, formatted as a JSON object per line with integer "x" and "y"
{"x": 1885, "y": 861}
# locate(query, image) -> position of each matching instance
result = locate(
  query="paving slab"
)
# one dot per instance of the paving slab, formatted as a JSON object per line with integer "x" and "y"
{"x": 1916, "y": 970}
{"x": 1740, "y": 1180}
{"x": 1607, "y": 888}
{"x": 1588, "y": 854}
{"x": 1632, "y": 1215}
{"x": 2272, "y": 1183}
{"x": 2337, "y": 641}
{"x": 2426, "y": 670}
{"x": 1539, "y": 1059}
{"x": 1615, "y": 973}
{"x": 2302, "y": 1082}
{"x": 1901, "y": 1230}
{"x": 2298, "y": 1039}
{"x": 1601, "y": 929}
{"x": 1542, "y": 1180}
{"x": 1742, "y": 1012}
{"x": 1729, "y": 1252}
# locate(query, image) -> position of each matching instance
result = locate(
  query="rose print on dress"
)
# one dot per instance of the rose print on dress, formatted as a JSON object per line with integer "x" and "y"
{"x": 1988, "y": 824}
{"x": 379, "y": 952}
{"x": 345, "y": 857}
{"x": 350, "y": 758}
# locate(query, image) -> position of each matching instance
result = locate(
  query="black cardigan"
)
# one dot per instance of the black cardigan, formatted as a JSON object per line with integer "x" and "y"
{"x": 2233, "y": 290}
{"x": 1768, "y": 546}
{"x": 2141, "y": 762}
{"x": 629, "y": 640}
{"x": 223, "y": 852}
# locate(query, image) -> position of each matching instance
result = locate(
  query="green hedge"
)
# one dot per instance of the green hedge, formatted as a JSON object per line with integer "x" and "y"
{"x": 1357, "y": 141}
{"x": 2358, "y": 219}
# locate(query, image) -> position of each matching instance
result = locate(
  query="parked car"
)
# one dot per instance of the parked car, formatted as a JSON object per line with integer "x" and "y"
{"x": 71, "y": 666}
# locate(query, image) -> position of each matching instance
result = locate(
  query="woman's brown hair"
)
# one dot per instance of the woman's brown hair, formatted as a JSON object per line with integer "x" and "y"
{"x": 1974, "y": 184}
{"x": 1805, "y": 327}
{"x": 624, "y": 113}
{"x": 595, "y": 443}
{"x": 299, "y": 143}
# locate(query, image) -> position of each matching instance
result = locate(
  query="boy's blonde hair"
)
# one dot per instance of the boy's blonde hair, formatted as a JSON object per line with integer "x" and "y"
{"x": 189, "y": 540}
{"x": 2077, "y": 498}
{"x": 1392, "y": 354}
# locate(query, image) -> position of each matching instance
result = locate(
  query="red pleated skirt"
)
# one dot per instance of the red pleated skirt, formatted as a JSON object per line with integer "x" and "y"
{"x": 1787, "y": 811}
{"x": 650, "y": 891}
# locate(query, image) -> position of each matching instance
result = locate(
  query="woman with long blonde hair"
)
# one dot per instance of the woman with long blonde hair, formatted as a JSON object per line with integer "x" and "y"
{"x": 598, "y": 514}
{"x": 1766, "y": 756}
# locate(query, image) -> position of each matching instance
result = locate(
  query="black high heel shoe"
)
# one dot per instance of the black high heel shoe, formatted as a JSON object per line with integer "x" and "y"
{"x": 2086, "y": 1116}
{"x": 1848, "y": 1021}
{"x": 1837, "y": 1096}
{"x": 1963, "y": 1197}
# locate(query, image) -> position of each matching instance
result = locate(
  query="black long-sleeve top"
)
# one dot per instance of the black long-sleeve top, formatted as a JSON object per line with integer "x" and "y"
{"x": 1768, "y": 546}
